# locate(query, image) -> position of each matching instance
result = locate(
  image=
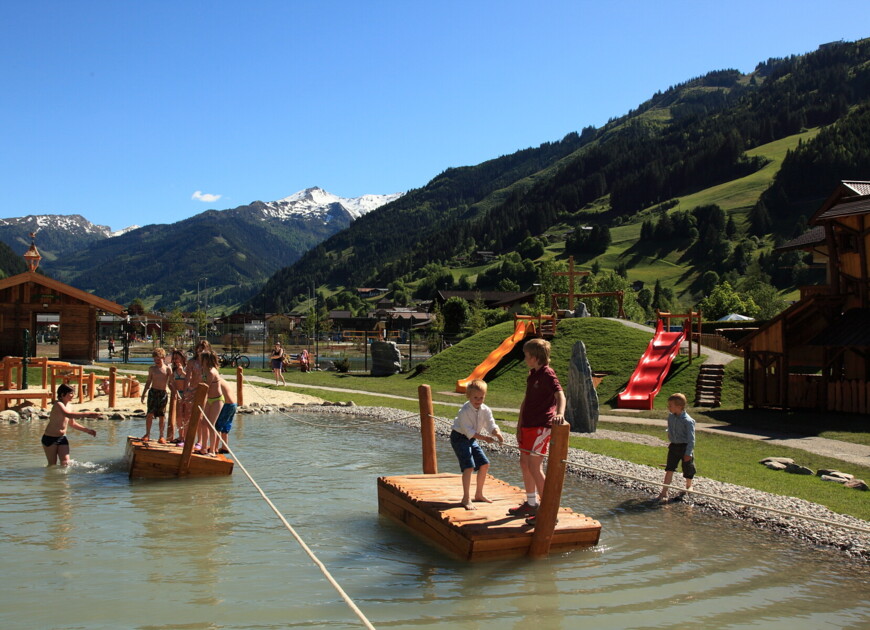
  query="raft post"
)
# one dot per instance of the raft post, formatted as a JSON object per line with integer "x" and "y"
{"x": 427, "y": 430}
{"x": 240, "y": 383}
{"x": 113, "y": 376}
{"x": 548, "y": 511}
{"x": 170, "y": 417}
{"x": 192, "y": 426}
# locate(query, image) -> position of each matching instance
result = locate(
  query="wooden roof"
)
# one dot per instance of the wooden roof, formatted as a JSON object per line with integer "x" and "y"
{"x": 852, "y": 206}
{"x": 845, "y": 190}
{"x": 813, "y": 236}
{"x": 83, "y": 296}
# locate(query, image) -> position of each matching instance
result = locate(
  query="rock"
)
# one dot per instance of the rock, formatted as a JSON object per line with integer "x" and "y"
{"x": 781, "y": 460}
{"x": 386, "y": 358}
{"x": 581, "y": 411}
{"x": 775, "y": 465}
{"x": 832, "y": 478}
{"x": 834, "y": 473}
{"x": 856, "y": 484}
{"x": 10, "y": 417}
{"x": 797, "y": 469}
{"x": 581, "y": 310}
{"x": 118, "y": 416}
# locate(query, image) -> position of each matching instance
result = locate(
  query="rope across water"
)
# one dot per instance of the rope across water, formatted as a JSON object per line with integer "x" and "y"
{"x": 356, "y": 610}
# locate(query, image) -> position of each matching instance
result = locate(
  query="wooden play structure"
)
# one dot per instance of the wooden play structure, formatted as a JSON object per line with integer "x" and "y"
{"x": 150, "y": 460}
{"x": 816, "y": 353}
{"x": 572, "y": 294}
{"x": 26, "y": 296}
{"x": 428, "y": 504}
{"x": 53, "y": 374}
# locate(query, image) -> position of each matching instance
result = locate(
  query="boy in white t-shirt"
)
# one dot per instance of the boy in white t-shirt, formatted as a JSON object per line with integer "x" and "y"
{"x": 473, "y": 420}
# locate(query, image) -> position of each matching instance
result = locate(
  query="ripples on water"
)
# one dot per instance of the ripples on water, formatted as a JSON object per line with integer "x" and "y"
{"x": 85, "y": 547}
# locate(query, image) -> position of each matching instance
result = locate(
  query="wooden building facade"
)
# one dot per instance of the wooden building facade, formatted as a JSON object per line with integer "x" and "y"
{"x": 25, "y": 296}
{"x": 816, "y": 353}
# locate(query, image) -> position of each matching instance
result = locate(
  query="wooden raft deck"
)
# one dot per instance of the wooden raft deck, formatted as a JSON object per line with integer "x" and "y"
{"x": 429, "y": 505}
{"x": 163, "y": 461}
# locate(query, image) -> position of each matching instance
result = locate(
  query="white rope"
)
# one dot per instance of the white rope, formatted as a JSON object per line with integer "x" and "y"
{"x": 289, "y": 527}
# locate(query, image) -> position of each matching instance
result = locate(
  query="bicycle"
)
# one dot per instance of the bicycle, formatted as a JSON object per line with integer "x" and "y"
{"x": 234, "y": 359}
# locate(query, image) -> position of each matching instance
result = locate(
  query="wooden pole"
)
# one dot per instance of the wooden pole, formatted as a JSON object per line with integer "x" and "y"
{"x": 170, "y": 429}
{"x": 113, "y": 376}
{"x": 548, "y": 511}
{"x": 240, "y": 384}
{"x": 192, "y": 426}
{"x": 427, "y": 430}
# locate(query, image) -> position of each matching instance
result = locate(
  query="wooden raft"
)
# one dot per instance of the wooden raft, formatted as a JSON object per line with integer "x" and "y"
{"x": 152, "y": 460}
{"x": 428, "y": 504}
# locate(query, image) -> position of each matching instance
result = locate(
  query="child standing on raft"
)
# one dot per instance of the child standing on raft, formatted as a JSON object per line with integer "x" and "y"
{"x": 473, "y": 420}
{"x": 681, "y": 450}
{"x": 542, "y": 407}
{"x": 156, "y": 388}
{"x": 54, "y": 440}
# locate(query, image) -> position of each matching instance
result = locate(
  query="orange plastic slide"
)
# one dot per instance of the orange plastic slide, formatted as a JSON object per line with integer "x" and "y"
{"x": 521, "y": 329}
{"x": 651, "y": 370}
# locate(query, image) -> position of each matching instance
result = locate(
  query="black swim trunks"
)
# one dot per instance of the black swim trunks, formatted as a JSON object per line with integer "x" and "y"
{"x": 54, "y": 440}
{"x": 157, "y": 402}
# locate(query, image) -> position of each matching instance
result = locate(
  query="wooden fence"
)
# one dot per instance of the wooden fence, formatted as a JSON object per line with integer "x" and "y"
{"x": 721, "y": 344}
{"x": 848, "y": 396}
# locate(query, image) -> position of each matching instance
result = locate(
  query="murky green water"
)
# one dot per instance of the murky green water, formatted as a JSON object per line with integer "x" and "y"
{"x": 87, "y": 548}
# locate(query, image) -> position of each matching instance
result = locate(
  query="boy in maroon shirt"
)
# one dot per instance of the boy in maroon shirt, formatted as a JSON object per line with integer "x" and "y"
{"x": 542, "y": 406}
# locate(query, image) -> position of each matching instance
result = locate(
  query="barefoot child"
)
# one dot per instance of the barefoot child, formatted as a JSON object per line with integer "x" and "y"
{"x": 681, "y": 434}
{"x": 473, "y": 419}
{"x": 208, "y": 437}
{"x": 177, "y": 386}
{"x": 542, "y": 407}
{"x": 54, "y": 441}
{"x": 156, "y": 386}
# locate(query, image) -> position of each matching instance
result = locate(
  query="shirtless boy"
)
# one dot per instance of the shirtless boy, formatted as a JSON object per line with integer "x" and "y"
{"x": 54, "y": 441}
{"x": 155, "y": 387}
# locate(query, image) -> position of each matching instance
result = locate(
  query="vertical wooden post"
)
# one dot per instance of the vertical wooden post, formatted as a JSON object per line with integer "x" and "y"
{"x": 192, "y": 427}
{"x": 170, "y": 428}
{"x": 240, "y": 383}
{"x": 548, "y": 511}
{"x": 427, "y": 430}
{"x": 113, "y": 376}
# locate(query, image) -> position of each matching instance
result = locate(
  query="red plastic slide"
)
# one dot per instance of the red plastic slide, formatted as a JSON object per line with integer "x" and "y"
{"x": 652, "y": 369}
{"x": 520, "y": 330}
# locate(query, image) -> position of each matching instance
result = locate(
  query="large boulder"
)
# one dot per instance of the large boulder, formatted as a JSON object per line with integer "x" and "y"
{"x": 582, "y": 409}
{"x": 9, "y": 416}
{"x": 386, "y": 358}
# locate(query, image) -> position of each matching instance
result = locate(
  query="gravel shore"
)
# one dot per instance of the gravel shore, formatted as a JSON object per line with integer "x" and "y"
{"x": 852, "y": 543}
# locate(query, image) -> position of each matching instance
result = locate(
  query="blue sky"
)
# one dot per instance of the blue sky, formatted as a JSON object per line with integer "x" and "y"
{"x": 153, "y": 111}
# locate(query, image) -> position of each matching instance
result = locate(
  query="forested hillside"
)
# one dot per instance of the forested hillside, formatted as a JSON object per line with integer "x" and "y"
{"x": 567, "y": 197}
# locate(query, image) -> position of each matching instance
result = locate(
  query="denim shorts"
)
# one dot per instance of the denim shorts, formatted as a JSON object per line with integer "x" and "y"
{"x": 468, "y": 451}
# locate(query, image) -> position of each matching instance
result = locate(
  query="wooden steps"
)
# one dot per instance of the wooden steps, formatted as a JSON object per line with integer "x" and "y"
{"x": 429, "y": 505}
{"x": 708, "y": 387}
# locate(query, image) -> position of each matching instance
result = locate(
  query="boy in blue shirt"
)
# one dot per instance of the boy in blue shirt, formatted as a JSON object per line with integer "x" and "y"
{"x": 681, "y": 435}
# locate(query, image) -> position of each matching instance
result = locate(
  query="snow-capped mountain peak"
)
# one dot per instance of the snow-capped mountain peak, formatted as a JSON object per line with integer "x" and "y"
{"x": 316, "y": 202}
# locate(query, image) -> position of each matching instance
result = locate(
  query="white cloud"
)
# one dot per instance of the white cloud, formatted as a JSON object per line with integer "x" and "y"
{"x": 206, "y": 197}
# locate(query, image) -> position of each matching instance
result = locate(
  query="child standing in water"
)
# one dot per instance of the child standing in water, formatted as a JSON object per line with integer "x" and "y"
{"x": 542, "y": 407}
{"x": 473, "y": 420}
{"x": 681, "y": 450}
{"x": 54, "y": 440}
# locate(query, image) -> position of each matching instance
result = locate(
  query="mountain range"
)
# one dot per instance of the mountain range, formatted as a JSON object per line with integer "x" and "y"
{"x": 794, "y": 126}
{"x": 226, "y": 254}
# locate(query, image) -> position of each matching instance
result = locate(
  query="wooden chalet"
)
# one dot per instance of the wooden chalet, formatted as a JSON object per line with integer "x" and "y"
{"x": 816, "y": 353}
{"x": 28, "y": 294}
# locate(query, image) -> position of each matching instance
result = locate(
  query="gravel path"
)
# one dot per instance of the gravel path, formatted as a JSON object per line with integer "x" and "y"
{"x": 854, "y": 544}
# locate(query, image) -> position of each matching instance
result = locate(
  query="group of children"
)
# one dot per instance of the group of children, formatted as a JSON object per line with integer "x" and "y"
{"x": 179, "y": 379}
{"x": 543, "y": 406}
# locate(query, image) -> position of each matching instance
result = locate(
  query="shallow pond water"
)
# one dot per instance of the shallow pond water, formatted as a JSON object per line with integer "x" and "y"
{"x": 85, "y": 547}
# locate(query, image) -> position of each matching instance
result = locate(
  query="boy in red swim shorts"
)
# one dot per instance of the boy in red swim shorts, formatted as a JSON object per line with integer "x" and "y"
{"x": 542, "y": 407}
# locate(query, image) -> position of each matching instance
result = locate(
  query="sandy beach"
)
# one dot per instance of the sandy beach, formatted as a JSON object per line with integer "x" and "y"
{"x": 253, "y": 396}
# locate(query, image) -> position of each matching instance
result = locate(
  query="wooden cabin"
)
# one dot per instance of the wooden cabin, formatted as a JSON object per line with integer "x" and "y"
{"x": 25, "y": 296}
{"x": 814, "y": 355}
